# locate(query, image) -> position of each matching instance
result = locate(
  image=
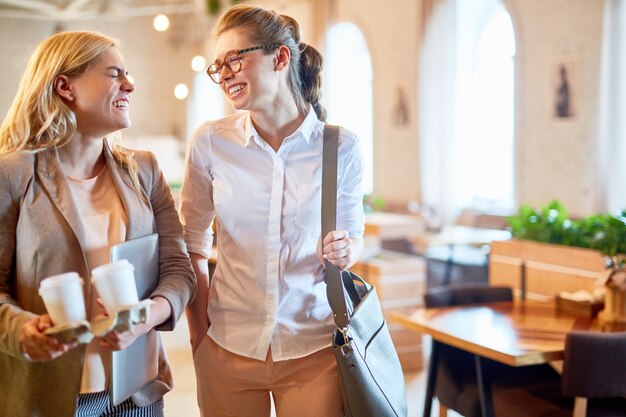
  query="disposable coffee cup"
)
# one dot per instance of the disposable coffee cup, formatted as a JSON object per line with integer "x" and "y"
{"x": 63, "y": 297}
{"x": 115, "y": 284}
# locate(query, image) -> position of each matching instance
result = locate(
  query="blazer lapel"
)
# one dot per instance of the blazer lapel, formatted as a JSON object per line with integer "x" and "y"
{"x": 53, "y": 180}
{"x": 140, "y": 216}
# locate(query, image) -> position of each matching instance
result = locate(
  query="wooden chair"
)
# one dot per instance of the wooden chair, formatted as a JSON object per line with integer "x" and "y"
{"x": 455, "y": 370}
{"x": 594, "y": 372}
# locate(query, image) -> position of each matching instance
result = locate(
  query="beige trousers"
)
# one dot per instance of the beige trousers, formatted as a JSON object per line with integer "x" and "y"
{"x": 231, "y": 385}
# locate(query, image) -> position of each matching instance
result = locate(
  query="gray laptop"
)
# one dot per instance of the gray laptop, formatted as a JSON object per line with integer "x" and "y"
{"x": 136, "y": 366}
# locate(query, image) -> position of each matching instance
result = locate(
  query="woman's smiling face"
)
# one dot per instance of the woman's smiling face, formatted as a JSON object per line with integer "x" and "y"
{"x": 101, "y": 95}
{"x": 255, "y": 86}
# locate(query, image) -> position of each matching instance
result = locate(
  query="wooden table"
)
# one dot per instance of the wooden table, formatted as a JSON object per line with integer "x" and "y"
{"x": 454, "y": 236}
{"x": 516, "y": 334}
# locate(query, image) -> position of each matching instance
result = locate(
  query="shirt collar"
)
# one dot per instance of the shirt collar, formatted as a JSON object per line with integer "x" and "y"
{"x": 251, "y": 134}
{"x": 305, "y": 129}
{"x": 308, "y": 125}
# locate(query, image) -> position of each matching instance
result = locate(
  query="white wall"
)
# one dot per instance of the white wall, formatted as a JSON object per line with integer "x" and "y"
{"x": 18, "y": 39}
{"x": 393, "y": 31}
{"x": 555, "y": 157}
{"x": 155, "y": 60}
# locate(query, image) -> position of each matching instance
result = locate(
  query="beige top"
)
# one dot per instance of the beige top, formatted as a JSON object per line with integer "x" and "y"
{"x": 105, "y": 221}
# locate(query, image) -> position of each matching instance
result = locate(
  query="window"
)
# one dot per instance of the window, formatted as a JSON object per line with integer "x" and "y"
{"x": 347, "y": 91}
{"x": 485, "y": 116}
{"x": 611, "y": 148}
{"x": 467, "y": 107}
{"x": 206, "y": 103}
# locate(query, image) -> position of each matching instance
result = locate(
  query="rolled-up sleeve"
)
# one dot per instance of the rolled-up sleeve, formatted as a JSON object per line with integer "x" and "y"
{"x": 197, "y": 210}
{"x": 350, "y": 214}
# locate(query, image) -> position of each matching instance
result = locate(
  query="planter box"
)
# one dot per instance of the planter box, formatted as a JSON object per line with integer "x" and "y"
{"x": 586, "y": 309}
{"x": 549, "y": 269}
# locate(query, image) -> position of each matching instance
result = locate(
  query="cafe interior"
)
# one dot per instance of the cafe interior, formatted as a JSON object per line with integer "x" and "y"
{"x": 493, "y": 135}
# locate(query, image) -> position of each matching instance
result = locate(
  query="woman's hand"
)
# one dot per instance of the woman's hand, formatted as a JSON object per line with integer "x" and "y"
{"x": 36, "y": 345}
{"x": 159, "y": 312}
{"x": 339, "y": 249}
{"x": 118, "y": 341}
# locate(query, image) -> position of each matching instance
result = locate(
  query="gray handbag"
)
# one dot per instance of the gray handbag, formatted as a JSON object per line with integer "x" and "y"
{"x": 372, "y": 382}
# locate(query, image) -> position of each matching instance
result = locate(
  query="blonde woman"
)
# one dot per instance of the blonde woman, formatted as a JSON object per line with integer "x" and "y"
{"x": 264, "y": 325}
{"x": 68, "y": 195}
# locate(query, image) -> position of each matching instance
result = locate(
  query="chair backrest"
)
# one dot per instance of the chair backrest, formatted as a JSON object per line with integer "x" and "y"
{"x": 455, "y": 380}
{"x": 595, "y": 364}
{"x": 466, "y": 293}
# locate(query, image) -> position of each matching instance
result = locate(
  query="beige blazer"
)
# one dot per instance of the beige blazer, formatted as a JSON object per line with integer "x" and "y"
{"x": 41, "y": 234}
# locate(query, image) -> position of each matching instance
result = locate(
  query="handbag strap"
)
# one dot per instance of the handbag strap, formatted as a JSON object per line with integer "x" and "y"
{"x": 334, "y": 286}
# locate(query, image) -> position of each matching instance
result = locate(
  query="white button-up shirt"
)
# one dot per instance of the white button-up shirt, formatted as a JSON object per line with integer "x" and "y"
{"x": 268, "y": 288}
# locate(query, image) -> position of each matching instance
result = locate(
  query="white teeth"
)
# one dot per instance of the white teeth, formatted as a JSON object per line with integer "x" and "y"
{"x": 235, "y": 88}
{"x": 120, "y": 103}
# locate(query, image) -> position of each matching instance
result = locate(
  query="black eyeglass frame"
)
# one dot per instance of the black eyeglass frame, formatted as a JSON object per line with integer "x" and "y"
{"x": 214, "y": 70}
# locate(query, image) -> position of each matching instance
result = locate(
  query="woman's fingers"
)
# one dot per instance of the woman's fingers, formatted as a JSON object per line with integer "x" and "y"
{"x": 337, "y": 248}
{"x": 36, "y": 345}
{"x": 335, "y": 235}
{"x": 121, "y": 340}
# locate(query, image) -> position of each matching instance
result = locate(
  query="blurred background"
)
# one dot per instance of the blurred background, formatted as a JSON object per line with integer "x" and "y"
{"x": 455, "y": 100}
{"x": 467, "y": 110}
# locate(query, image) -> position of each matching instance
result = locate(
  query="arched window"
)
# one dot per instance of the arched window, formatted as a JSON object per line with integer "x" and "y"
{"x": 205, "y": 103}
{"x": 347, "y": 89}
{"x": 469, "y": 162}
{"x": 610, "y": 148}
{"x": 485, "y": 116}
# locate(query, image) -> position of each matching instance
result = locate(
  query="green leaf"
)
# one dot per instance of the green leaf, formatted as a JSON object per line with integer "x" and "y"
{"x": 603, "y": 232}
{"x": 213, "y": 6}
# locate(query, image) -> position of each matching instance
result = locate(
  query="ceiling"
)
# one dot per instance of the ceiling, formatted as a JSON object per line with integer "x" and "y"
{"x": 75, "y": 10}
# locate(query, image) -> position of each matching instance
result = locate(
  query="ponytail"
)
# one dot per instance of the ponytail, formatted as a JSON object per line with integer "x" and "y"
{"x": 311, "y": 64}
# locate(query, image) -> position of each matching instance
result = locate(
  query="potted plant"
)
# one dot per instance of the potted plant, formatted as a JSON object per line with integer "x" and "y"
{"x": 603, "y": 232}
{"x": 552, "y": 253}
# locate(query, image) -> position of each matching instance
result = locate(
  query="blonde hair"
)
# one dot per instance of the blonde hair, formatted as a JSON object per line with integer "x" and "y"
{"x": 266, "y": 27}
{"x": 38, "y": 118}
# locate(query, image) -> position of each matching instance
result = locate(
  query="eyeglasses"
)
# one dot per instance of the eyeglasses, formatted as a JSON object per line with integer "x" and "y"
{"x": 232, "y": 61}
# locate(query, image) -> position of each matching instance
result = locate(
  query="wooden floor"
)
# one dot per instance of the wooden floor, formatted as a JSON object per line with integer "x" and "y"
{"x": 181, "y": 402}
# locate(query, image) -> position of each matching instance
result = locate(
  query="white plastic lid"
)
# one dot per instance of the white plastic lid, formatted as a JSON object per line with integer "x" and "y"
{"x": 56, "y": 280}
{"x": 113, "y": 267}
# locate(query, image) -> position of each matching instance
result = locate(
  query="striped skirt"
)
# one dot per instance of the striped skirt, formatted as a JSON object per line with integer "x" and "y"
{"x": 97, "y": 404}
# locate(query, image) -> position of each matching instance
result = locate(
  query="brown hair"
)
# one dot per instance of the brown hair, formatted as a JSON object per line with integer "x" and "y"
{"x": 266, "y": 27}
{"x": 38, "y": 118}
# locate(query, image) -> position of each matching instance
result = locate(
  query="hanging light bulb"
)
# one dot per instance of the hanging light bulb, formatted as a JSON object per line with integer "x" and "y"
{"x": 198, "y": 63}
{"x": 161, "y": 22}
{"x": 181, "y": 91}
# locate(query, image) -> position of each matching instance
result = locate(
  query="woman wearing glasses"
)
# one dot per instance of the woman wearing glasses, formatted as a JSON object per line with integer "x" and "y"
{"x": 263, "y": 327}
{"x": 68, "y": 194}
